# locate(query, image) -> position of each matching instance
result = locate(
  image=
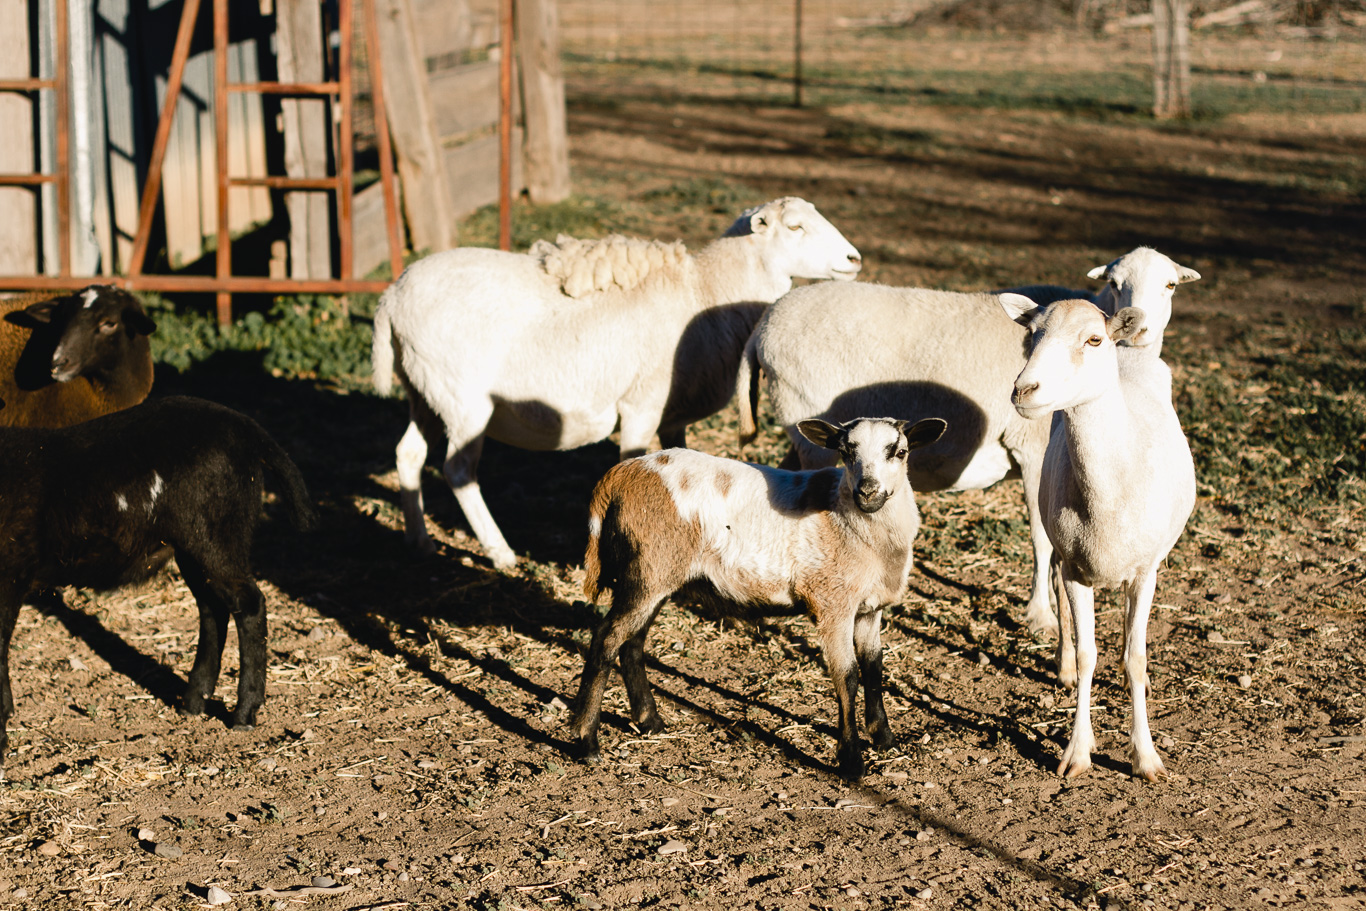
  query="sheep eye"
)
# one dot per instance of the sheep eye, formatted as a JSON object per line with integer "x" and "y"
{"x": 1093, "y": 341}
{"x": 901, "y": 453}
{"x": 1114, "y": 284}
{"x": 1171, "y": 286}
{"x": 109, "y": 326}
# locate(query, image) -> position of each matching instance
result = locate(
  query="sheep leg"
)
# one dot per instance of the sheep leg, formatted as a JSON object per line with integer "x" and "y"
{"x": 1076, "y": 759}
{"x": 673, "y": 438}
{"x": 460, "y": 467}
{"x": 1142, "y": 754}
{"x": 644, "y": 711}
{"x": 1040, "y": 615}
{"x": 638, "y": 429}
{"x": 868, "y": 648}
{"x": 1067, "y": 640}
{"x": 629, "y": 618}
{"x": 221, "y": 592}
{"x": 9, "y": 613}
{"x": 411, "y": 456}
{"x": 837, "y": 646}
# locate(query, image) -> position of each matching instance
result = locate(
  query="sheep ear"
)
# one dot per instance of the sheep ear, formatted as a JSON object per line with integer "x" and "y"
{"x": 758, "y": 223}
{"x": 1018, "y": 307}
{"x": 1186, "y": 275}
{"x": 923, "y": 432}
{"x": 139, "y": 322}
{"x": 822, "y": 433}
{"x": 1125, "y": 324}
{"x": 42, "y": 312}
{"x": 1098, "y": 272}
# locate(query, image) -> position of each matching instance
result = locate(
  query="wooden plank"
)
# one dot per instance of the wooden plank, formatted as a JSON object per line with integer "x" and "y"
{"x": 445, "y": 28}
{"x": 464, "y": 98}
{"x": 300, "y": 59}
{"x": 472, "y": 172}
{"x": 546, "y": 151}
{"x": 18, "y": 209}
{"x": 426, "y": 195}
{"x": 371, "y": 237}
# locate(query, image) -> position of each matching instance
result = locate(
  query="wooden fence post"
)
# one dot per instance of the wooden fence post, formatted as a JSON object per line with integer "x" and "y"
{"x": 546, "y": 146}
{"x": 1171, "y": 58}
{"x": 426, "y": 197}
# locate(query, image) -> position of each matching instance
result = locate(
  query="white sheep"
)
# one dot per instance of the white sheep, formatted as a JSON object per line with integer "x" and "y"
{"x": 1118, "y": 487}
{"x": 539, "y": 353}
{"x": 837, "y": 352}
{"x": 836, "y": 543}
{"x": 1142, "y": 278}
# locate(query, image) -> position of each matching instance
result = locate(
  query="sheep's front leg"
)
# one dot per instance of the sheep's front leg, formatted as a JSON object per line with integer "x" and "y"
{"x": 1066, "y": 653}
{"x": 629, "y": 618}
{"x": 1041, "y": 616}
{"x": 9, "y": 613}
{"x": 1076, "y": 759}
{"x": 837, "y": 647}
{"x": 638, "y": 428}
{"x": 868, "y": 648}
{"x": 462, "y": 462}
{"x": 1142, "y": 754}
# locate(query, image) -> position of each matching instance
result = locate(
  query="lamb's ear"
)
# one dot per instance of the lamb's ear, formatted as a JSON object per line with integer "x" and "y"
{"x": 1125, "y": 324}
{"x": 42, "y": 312}
{"x": 1018, "y": 307}
{"x": 758, "y": 222}
{"x": 822, "y": 433}
{"x": 1098, "y": 272}
{"x": 923, "y": 432}
{"x": 1186, "y": 275}
{"x": 138, "y": 323}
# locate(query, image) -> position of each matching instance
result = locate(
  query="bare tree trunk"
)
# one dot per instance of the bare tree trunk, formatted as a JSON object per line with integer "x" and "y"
{"x": 1171, "y": 58}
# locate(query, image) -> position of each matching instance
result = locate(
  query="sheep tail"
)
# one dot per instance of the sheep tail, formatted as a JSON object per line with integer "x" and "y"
{"x": 747, "y": 391}
{"x": 292, "y": 489}
{"x": 599, "y": 508}
{"x": 381, "y": 348}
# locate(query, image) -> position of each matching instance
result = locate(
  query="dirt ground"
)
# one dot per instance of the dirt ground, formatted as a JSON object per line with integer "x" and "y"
{"x": 412, "y": 750}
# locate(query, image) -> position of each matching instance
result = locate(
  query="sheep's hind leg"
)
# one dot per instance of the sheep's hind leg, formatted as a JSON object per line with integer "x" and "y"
{"x": 644, "y": 711}
{"x": 868, "y": 648}
{"x": 1142, "y": 754}
{"x": 1076, "y": 759}
{"x": 1041, "y": 616}
{"x": 628, "y": 620}
{"x": 411, "y": 456}
{"x": 9, "y": 613}
{"x": 462, "y": 462}
{"x": 220, "y": 594}
{"x": 1067, "y": 636}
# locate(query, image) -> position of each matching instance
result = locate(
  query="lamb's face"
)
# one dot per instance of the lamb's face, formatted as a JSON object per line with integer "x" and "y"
{"x": 874, "y": 452}
{"x": 800, "y": 243}
{"x": 1073, "y": 359}
{"x": 1145, "y": 279}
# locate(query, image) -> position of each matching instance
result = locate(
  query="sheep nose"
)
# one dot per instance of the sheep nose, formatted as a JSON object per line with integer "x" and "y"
{"x": 855, "y": 259}
{"x": 1025, "y": 391}
{"x": 59, "y": 362}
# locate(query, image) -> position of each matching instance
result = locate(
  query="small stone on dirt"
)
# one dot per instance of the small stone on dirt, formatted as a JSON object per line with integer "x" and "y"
{"x": 924, "y": 835}
{"x": 852, "y": 891}
{"x": 49, "y": 849}
{"x": 317, "y": 634}
{"x": 1214, "y": 636}
{"x": 323, "y": 882}
{"x": 146, "y": 835}
{"x": 218, "y": 896}
{"x": 268, "y": 764}
{"x": 391, "y": 864}
{"x": 76, "y": 663}
{"x": 1245, "y": 680}
{"x": 669, "y": 801}
{"x": 167, "y": 849}
{"x": 925, "y": 894}
{"x": 673, "y": 846}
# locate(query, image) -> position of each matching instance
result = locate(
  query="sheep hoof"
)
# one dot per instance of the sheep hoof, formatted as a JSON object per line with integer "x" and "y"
{"x": 589, "y": 753}
{"x": 652, "y": 725}
{"x": 882, "y": 738}
{"x": 851, "y": 765}
{"x": 1149, "y": 768}
{"x": 1074, "y": 763}
{"x": 1042, "y": 623}
{"x": 502, "y": 559}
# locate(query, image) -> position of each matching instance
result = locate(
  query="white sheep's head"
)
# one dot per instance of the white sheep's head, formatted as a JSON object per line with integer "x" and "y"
{"x": 874, "y": 453}
{"x": 1145, "y": 279}
{"x": 798, "y": 242}
{"x": 1073, "y": 359}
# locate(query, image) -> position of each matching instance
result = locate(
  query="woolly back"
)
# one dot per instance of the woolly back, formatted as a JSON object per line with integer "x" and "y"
{"x": 584, "y": 267}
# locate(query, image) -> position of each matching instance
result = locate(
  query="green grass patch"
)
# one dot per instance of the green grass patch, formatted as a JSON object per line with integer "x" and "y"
{"x": 578, "y": 216}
